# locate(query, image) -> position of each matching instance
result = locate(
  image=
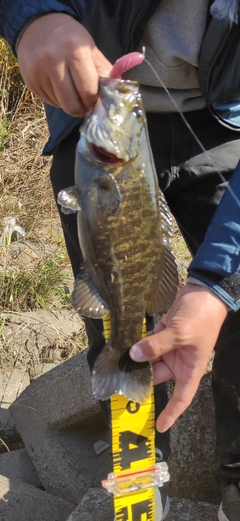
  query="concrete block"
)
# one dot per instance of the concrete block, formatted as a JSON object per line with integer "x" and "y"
{"x": 186, "y": 510}
{"x": 17, "y": 464}
{"x": 98, "y": 504}
{"x": 192, "y": 464}
{"x": 12, "y": 383}
{"x": 59, "y": 421}
{"x": 7, "y": 427}
{"x": 22, "y": 502}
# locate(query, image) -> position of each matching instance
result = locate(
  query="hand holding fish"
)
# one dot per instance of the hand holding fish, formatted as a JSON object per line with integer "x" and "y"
{"x": 181, "y": 345}
{"x": 60, "y": 62}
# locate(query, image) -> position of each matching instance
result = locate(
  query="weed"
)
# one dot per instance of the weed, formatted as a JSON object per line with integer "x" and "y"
{"x": 24, "y": 289}
{"x": 64, "y": 297}
{"x": 3, "y": 132}
{"x": 14, "y": 95}
{"x": 26, "y": 193}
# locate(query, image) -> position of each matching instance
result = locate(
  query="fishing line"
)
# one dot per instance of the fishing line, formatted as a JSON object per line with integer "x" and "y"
{"x": 189, "y": 126}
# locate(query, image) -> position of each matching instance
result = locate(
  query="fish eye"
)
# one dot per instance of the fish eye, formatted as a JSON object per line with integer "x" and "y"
{"x": 137, "y": 111}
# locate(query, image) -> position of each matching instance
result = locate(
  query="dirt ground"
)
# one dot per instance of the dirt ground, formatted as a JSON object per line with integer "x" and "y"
{"x": 31, "y": 337}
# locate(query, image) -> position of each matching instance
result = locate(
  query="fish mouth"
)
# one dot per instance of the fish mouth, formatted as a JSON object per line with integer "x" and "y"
{"x": 104, "y": 155}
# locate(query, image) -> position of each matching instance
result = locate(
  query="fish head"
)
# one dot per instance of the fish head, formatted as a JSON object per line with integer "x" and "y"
{"x": 112, "y": 129}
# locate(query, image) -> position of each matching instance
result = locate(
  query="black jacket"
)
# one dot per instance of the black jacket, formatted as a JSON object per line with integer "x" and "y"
{"x": 117, "y": 26}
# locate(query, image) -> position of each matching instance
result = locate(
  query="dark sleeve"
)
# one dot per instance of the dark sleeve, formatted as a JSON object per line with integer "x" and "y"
{"x": 16, "y": 14}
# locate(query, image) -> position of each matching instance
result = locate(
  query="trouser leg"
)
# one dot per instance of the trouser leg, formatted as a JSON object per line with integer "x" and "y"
{"x": 225, "y": 378}
{"x": 226, "y": 392}
{"x": 62, "y": 176}
{"x": 193, "y": 189}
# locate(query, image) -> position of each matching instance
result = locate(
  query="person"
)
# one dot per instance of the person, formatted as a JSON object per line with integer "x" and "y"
{"x": 62, "y": 49}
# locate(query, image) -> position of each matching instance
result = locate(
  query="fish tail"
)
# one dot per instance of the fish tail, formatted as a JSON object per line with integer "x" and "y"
{"x": 114, "y": 373}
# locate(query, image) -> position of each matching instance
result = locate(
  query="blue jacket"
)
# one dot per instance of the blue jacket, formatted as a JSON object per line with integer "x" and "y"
{"x": 217, "y": 262}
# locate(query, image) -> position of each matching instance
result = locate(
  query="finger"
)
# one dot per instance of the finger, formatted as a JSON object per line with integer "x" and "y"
{"x": 85, "y": 69}
{"x": 178, "y": 403}
{"x": 84, "y": 77}
{"x": 160, "y": 326}
{"x": 152, "y": 347}
{"x": 164, "y": 319}
{"x": 46, "y": 97}
{"x": 46, "y": 92}
{"x": 161, "y": 372}
{"x": 72, "y": 85}
{"x": 103, "y": 66}
{"x": 68, "y": 98}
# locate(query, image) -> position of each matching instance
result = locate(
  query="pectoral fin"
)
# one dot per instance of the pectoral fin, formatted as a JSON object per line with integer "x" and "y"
{"x": 69, "y": 199}
{"x": 109, "y": 195}
{"x": 86, "y": 299}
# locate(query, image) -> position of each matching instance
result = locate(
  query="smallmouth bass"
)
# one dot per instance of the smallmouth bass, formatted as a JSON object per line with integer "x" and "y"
{"x": 124, "y": 229}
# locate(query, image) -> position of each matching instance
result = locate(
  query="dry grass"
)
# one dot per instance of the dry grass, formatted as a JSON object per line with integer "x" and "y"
{"x": 14, "y": 96}
{"x": 33, "y": 271}
{"x": 35, "y": 282}
{"x": 26, "y": 195}
{"x": 25, "y": 189}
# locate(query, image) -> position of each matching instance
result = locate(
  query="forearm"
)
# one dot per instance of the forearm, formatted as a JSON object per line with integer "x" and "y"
{"x": 217, "y": 262}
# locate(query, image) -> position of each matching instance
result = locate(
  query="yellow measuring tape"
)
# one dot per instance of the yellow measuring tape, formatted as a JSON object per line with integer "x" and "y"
{"x": 135, "y": 473}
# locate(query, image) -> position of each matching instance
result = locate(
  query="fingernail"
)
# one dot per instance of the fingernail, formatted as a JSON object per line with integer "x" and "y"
{"x": 137, "y": 353}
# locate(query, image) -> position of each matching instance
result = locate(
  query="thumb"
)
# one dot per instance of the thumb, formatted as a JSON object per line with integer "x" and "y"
{"x": 153, "y": 346}
{"x": 102, "y": 65}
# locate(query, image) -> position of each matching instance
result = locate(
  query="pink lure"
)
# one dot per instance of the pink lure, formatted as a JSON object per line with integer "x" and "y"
{"x": 126, "y": 62}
